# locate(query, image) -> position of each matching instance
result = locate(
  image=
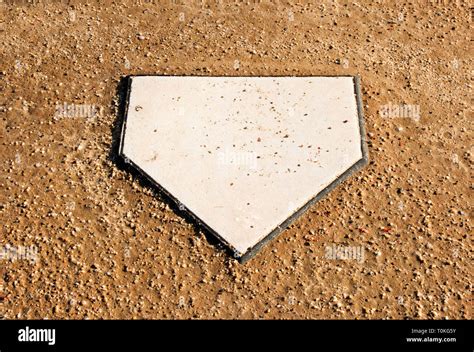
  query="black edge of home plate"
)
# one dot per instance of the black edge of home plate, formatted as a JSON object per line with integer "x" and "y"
{"x": 252, "y": 251}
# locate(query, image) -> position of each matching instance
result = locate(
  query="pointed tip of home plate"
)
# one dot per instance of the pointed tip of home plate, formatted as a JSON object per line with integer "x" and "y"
{"x": 245, "y": 156}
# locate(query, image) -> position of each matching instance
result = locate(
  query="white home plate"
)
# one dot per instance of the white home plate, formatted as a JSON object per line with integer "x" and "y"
{"x": 244, "y": 155}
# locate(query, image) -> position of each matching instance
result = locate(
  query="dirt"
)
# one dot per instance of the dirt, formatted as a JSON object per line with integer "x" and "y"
{"x": 110, "y": 247}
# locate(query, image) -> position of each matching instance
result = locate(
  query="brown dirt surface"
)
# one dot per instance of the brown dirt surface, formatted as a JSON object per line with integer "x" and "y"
{"x": 110, "y": 247}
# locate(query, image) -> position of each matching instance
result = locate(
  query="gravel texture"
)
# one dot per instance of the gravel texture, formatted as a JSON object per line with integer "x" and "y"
{"x": 110, "y": 247}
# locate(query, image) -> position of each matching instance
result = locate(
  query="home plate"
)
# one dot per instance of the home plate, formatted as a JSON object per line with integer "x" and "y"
{"x": 244, "y": 156}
